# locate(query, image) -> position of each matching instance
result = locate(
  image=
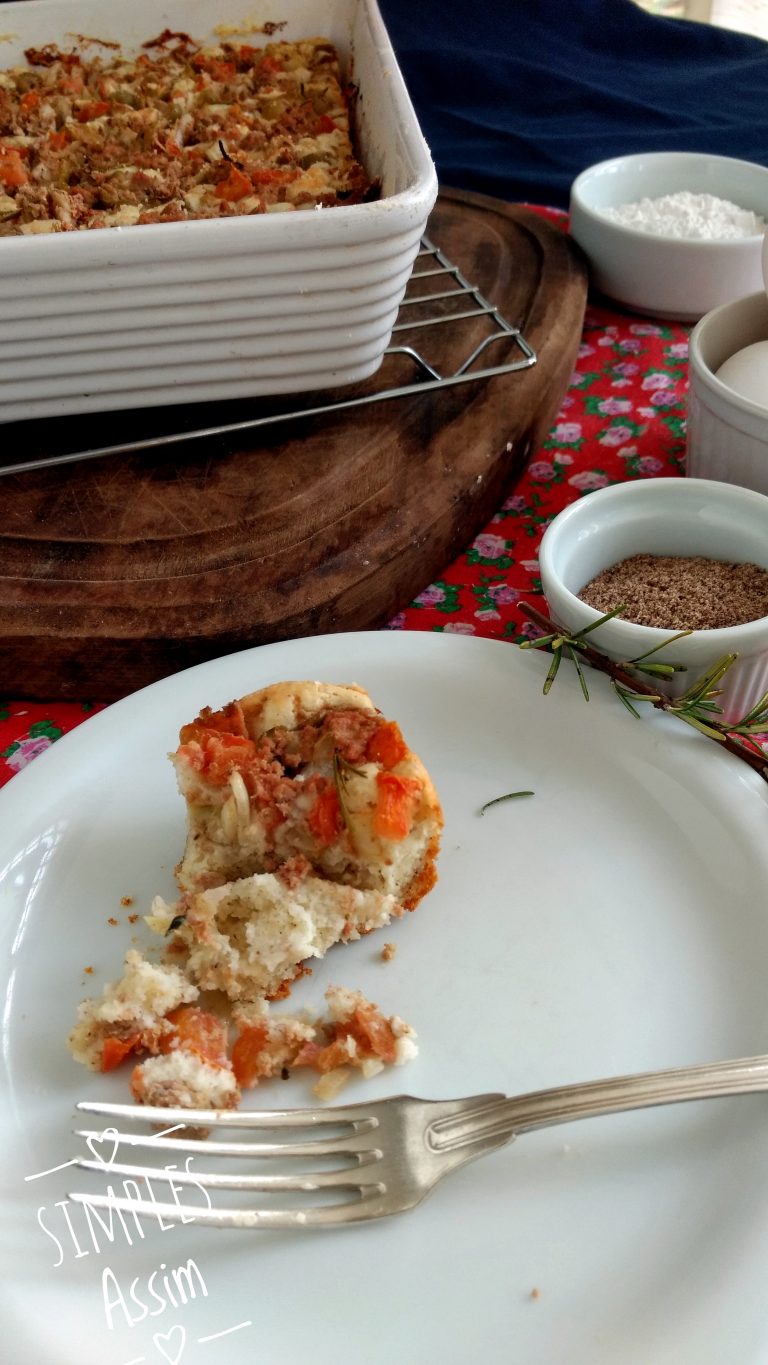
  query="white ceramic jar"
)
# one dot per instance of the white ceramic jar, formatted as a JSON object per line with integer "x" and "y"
{"x": 727, "y": 433}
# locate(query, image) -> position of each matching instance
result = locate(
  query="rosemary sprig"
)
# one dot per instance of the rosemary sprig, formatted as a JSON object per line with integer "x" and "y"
{"x": 342, "y": 771}
{"x": 576, "y": 643}
{"x": 508, "y": 796}
{"x": 227, "y": 157}
{"x": 697, "y": 706}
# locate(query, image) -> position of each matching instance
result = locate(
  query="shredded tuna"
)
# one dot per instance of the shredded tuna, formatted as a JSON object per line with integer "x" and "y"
{"x": 182, "y": 131}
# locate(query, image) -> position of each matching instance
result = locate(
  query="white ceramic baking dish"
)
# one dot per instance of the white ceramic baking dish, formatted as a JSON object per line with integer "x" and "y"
{"x": 234, "y": 307}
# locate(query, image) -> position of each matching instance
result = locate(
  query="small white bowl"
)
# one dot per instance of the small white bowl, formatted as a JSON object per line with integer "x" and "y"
{"x": 682, "y": 517}
{"x": 668, "y": 277}
{"x": 727, "y": 435}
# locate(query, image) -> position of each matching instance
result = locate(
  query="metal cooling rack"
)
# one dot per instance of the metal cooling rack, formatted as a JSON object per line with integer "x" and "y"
{"x": 460, "y": 301}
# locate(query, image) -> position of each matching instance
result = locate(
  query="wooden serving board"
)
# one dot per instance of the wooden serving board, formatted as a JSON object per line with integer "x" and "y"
{"x": 119, "y": 571}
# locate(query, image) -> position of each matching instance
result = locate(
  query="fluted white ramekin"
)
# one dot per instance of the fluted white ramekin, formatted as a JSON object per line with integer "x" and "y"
{"x": 684, "y": 517}
{"x": 727, "y": 436}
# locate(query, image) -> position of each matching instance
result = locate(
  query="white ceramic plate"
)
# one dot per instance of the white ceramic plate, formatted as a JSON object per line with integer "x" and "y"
{"x": 616, "y": 921}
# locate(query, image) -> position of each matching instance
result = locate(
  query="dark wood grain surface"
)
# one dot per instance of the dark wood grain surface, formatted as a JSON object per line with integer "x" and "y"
{"x": 119, "y": 571}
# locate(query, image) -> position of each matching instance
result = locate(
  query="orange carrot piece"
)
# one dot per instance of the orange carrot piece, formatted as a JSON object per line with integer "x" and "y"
{"x": 235, "y": 187}
{"x": 273, "y": 175}
{"x": 247, "y": 1062}
{"x": 92, "y": 109}
{"x": 12, "y": 173}
{"x": 115, "y": 1050}
{"x": 386, "y": 745}
{"x": 197, "y": 1031}
{"x": 395, "y": 803}
{"x": 325, "y": 818}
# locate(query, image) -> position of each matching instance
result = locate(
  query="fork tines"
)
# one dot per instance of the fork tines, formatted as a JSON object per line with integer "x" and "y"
{"x": 353, "y": 1143}
{"x": 231, "y": 1118}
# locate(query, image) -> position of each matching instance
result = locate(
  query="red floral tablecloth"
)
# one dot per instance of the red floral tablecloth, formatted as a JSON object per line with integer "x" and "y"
{"x": 623, "y": 417}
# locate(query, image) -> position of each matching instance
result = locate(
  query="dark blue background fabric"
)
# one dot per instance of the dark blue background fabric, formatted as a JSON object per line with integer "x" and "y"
{"x": 516, "y": 97}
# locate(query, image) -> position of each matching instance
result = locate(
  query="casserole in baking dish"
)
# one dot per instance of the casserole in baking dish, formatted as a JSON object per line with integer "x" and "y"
{"x": 245, "y": 305}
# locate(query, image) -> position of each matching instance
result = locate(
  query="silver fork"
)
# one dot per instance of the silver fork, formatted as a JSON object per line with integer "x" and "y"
{"x": 396, "y": 1149}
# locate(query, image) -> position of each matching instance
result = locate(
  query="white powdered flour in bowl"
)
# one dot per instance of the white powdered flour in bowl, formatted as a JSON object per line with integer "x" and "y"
{"x": 672, "y": 234}
{"x": 697, "y": 217}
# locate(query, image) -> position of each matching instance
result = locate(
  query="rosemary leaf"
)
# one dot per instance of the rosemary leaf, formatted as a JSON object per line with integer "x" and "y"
{"x": 579, "y": 671}
{"x": 652, "y": 697}
{"x": 538, "y": 643}
{"x": 759, "y": 713}
{"x": 623, "y": 697}
{"x": 758, "y": 728}
{"x": 657, "y": 670}
{"x": 679, "y": 668}
{"x": 699, "y": 725}
{"x": 342, "y": 769}
{"x": 601, "y": 620}
{"x": 705, "y": 684}
{"x": 553, "y": 667}
{"x": 227, "y": 157}
{"x": 509, "y": 796}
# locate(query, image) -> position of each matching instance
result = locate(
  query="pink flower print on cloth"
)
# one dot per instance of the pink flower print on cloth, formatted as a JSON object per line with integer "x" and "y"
{"x": 588, "y": 479}
{"x": 502, "y": 593}
{"x": 615, "y": 436}
{"x": 490, "y": 546}
{"x": 540, "y": 469}
{"x": 430, "y": 596}
{"x": 658, "y": 380}
{"x": 565, "y": 433}
{"x": 39, "y": 737}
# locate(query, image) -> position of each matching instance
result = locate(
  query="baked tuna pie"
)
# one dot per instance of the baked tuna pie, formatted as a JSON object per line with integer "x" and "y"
{"x": 182, "y": 131}
{"x": 310, "y": 823}
{"x": 308, "y": 771}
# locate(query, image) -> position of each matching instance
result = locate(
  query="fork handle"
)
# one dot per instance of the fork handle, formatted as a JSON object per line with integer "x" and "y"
{"x": 644, "y": 1090}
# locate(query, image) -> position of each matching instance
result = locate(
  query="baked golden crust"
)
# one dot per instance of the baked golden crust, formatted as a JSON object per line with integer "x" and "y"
{"x": 284, "y": 704}
{"x": 307, "y": 770}
{"x": 182, "y": 131}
